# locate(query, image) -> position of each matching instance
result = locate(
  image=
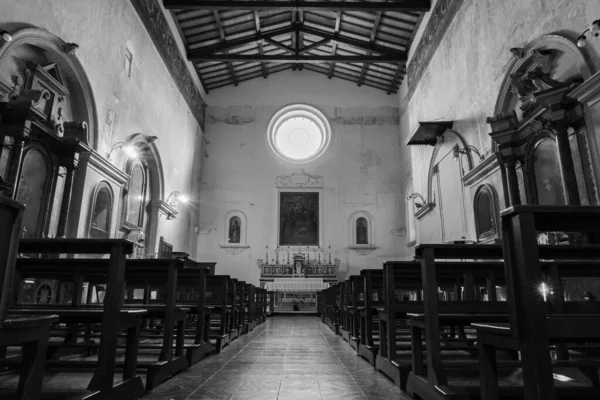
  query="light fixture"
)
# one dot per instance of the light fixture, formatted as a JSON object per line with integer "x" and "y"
{"x": 129, "y": 150}
{"x": 176, "y": 197}
{"x": 414, "y": 196}
{"x": 29, "y": 281}
{"x": 5, "y": 35}
{"x": 594, "y": 30}
{"x": 544, "y": 290}
{"x": 468, "y": 148}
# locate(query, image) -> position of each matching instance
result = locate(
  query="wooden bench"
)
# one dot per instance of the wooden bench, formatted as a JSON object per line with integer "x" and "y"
{"x": 369, "y": 316}
{"x": 29, "y": 332}
{"x": 356, "y": 294}
{"x": 538, "y": 317}
{"x": 271, "y": 303}
{"x": 343, "y": 328}
{"x": 112, "y": 316}
{"x": 217, "y": 298}
{"x": 236, "y": 305}
{"x": 462, "y": 283}
{"x": 249, "y": 307}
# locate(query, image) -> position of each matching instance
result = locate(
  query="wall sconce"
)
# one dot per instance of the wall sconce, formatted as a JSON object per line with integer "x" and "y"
{"x": 129, "y": 150}
{"x": 5, "y": 35}
{"x": 468, "y": 148}
{"x": 414, "y": 196}
{"x": 594, "y": 30}
{"x": 176, "y": 197}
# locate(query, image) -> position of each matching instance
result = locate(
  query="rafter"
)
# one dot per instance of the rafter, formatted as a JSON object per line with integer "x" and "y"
{"x": 261, "y": 51}
{"x": 395, "y": 78}
{"x": 298, "y": 5}
{"x": 222, "y": 34}
{"x": 363, "y": 71}
{"x": 313, "y": 46}
{"x": 232, "y": 44}
{"x": 280, "y": 45}
{"x": 338, "y": 21}
{"x": 298, "y": 59}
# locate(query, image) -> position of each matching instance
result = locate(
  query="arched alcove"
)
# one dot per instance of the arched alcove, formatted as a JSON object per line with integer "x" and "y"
{"x": 42, "y": 47}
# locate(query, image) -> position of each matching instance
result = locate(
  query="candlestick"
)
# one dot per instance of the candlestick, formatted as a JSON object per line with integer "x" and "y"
{"x": 267, "y": 252}
{"x": 277, "y": 254}
{"x": 307, "y": 253}
{"x": 319, "y": 255}
{"x": 288, "y": 254}
{"x": 329, "y": 254}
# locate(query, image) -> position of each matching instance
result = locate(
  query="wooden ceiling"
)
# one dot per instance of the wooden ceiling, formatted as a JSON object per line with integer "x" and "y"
{"x": 366, "y": 42}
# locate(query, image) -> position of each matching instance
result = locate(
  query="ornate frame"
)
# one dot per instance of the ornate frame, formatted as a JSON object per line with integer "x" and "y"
{"x": 99, "y": 186}
{"x": 235, "y": 248}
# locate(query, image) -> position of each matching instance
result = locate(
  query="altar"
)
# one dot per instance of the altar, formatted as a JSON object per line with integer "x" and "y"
{"x": 297, "y": 280}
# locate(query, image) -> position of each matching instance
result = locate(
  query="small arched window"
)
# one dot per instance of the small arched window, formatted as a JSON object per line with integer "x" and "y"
{"x": 362, "y": 231}
{"x": 100, "y": 225}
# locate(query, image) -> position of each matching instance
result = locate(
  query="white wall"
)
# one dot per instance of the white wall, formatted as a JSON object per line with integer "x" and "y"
{"x": 362, "y": 168}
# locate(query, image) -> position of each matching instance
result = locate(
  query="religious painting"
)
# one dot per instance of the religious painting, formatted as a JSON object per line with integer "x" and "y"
{"x": 234, "y": 230}
{"x": 546, "y": 167}
{"x": 299, "y": 219}
{"x": 485, "y": 212}
{"x": 101, "y": 214}
{"x": 362, "y": 227}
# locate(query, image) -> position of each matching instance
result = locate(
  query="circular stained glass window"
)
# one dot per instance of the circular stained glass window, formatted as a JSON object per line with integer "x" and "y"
{"x": 299, "y": 133}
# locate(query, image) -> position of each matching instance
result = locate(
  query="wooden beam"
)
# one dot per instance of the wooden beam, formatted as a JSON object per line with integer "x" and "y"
{"x": 365, "y": 46}
{"x": 199, "y": 58}
{"x": 280, "y": 45}
{"x": 338, "y": 21}
{"x": 313, "y": 46}
{"x": 332, "y": 66}
{"x": 232, "y": 44}
{"x": 299, "y": 5}
{"x": 222, "y": 34}
{"x": 363, "y": 71}
{"x": 396, "y": 75}
{"x": 262, "y": 64}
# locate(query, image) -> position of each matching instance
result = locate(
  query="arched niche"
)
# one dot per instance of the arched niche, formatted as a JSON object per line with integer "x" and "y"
{"x": 42, "y": 47}
{"x": 235, "y": 227}
{"x": 485, "y": 208}
{"x": 100, "y": 224}
{"x": 361, "y": 233}
{"x": 153, "y": 202}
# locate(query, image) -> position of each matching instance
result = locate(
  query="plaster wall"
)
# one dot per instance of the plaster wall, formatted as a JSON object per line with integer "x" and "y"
{"x": 362, "y": 169}
{"x": 464, "y": 77}
{"x": 148, "y": 102}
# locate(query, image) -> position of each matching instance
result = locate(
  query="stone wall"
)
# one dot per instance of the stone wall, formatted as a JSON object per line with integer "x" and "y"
{"x": 148, "y": 102}
{"x": 363, "y": 169}
{"x": 465, "y": 75}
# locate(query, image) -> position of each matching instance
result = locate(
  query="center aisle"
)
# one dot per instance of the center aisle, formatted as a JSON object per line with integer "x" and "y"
{"x": 286, "y": 358}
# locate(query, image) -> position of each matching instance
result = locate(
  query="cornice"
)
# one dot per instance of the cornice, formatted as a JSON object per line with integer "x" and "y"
{"x": 486, "y": 168}
{"x": 105, "y": 167}
{"x": 588, "y": 92}
{"x": 155, "y": 22}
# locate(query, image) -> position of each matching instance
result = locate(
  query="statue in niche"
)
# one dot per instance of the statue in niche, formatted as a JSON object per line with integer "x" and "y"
{"x": 234, "y": 230}
{"x": 361, "y": 231}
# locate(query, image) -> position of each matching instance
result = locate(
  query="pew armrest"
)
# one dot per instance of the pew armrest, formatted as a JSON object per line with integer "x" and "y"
{"x": 20, "y": 321}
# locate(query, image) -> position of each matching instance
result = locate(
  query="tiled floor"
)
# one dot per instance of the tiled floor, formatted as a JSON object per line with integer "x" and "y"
{"x": 286, "y": 358}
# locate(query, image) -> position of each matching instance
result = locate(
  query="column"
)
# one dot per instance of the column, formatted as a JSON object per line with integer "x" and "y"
{"x": 15, "y": 163}
{"x": 511, "y": 181}
{"x": 65, "y": 205}
{"x": 504, "y": 180}
{"x": 567, "y": 168}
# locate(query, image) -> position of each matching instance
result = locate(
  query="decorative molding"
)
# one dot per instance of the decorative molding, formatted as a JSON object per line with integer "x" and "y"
{"x": 441, "y": 17}
{"x": 300, "y": 180}
{"x": 163, "y": 208}
{"x": 153, "y": 18}
{"x": 234, "y": 249}
{"x": 104, "y": 167}
{"x": 588, "y": 92}
{"x": 423, "y": 211}
{"x": 363, "y": 250}
{"x": 481, "y": 171}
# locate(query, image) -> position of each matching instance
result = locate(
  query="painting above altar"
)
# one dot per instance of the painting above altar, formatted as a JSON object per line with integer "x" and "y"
{"x": 299, "y": 218}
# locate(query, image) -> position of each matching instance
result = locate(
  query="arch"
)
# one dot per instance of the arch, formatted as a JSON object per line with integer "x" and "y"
{"x": 71, "y": 68}
{"x": 243, "y": 228}
{"x": 486, "y": 226}
{"x": 42, "y": 216}
{"x": 443, "y": 144}
{"x": 354, "y": 223}
{"x": 93, "y": 230}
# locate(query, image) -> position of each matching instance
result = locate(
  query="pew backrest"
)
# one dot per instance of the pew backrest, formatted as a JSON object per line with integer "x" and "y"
{"x": 11, "y": 217}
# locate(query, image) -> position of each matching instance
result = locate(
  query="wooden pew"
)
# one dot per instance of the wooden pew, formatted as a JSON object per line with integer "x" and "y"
{"x": 236, "y": 306}
{"x": 369, "y": 316}
{"x": 249, "y": 307}
{"x": 241, "y": 294}
{"x": 161, "y": 274}
{"x": 537, "y": 318}
{"x": 31, "y": 333}
{"x": 112, "y": 316}
{"x": 193, "y": 279}
{"x": 402, "y": 296}
{"x": 343, "y": 327}
{"x": 333, "y": 308}
{"x": 217, "y": 298}
{"x": 356, "y": 296}
{"x": 271, "y": 303}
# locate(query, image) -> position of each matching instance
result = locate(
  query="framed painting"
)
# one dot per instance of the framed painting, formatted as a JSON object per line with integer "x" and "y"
{"x": 299, "y": 218}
